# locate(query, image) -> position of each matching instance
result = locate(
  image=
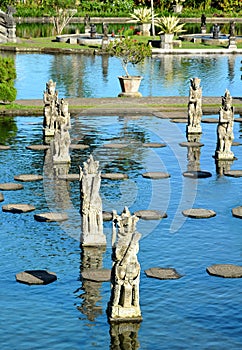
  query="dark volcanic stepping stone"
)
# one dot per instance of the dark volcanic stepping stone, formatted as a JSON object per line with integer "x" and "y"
{"x": 233, "y": 173}
{"x": 162, "y": 273}
{"x": 107, "y": 216}
{"x": 154, "y": 145}
{"x": 199, "y": 213}
{"x": 197, "y": 174}
{"x": 78, "y": 146}
{"x": 191, "y": 144}
{"x": 28, "y": 177}
{"x": 225, "y": 270}
{"x": 114, "y": 176}
{"x": 150, "y": 214}
{"x": 210, "y": 120}
{"x": 69, "y": 177}
{"x": 115, "y": 145}
{"x": 239, "y": 120}
{"x": 4, "y": 148}
{"x": 36, "y": 277}
{"x": 9, "y": 186}
{"x": 1, "y": 197}
{"x": 38, "y": 147}
{"x": 50, "y": 217}
{"x": 97, "y": 275}
{"x": 18, "y": 208}
{"x": 237, "y": 212}
{"x": 156, "y": 175}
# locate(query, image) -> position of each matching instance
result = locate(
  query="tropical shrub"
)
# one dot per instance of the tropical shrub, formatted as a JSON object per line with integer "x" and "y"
{"x": 8, "y": 92}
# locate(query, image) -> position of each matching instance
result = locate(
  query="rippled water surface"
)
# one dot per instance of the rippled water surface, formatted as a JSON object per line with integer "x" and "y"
{"x": 197, "y": 311}
{"x": 96, "y": 76}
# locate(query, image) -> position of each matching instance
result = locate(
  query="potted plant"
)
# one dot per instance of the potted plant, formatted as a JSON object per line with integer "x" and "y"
{"x": 143, "y": 17}
{"x": 129, "y": 51}
{"x": 177, "y": 6}
{"x": 169, "y": 26}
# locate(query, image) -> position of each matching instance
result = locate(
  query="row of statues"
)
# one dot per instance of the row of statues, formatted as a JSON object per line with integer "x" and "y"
{"x": 225, "y": 123}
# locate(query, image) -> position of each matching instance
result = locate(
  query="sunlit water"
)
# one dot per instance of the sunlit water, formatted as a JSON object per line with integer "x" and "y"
{"x": 197, "y": 311}
{"x": 96, "y": 76}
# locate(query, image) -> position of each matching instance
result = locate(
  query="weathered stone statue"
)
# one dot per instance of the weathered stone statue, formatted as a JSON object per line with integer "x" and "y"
{"x": 225, "y": 134}
{"x": 63, "y": 120}
{"x": 232, "y": 36}
{"x": 124, "y": 302}
{"x": 51, "y": 104}
{"x": 87, "y": 20}
{"x": 195, "y": 107}
{"x": 60, "y": 146}
{"x": 7, "y": 26}
{"x": 216, "y": 31}
{"x": 203, "y": 24}
{"x": 91, "y": 204}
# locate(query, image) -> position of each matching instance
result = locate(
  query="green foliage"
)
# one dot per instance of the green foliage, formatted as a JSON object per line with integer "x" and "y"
{"x": 7, "y": 75}
{"x": 141, "y": 15}
{"x": 129, "y": 51}
{"x": 169, "y": 25}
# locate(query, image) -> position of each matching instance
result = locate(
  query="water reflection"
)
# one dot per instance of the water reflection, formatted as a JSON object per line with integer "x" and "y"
{"x": 96, "y": 76}
{"x": 8, "y": 130}
{"x": 124, "y": 335}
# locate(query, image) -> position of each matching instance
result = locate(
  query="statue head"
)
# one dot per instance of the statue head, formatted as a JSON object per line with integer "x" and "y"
{"x": 226, "y": 100}
{"x": 50, "y": 87}
{"x": 195, "y": 83}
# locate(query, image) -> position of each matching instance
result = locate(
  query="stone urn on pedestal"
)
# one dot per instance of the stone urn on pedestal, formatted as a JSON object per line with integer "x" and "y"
{"x": 129, "y": 51}
{"x": 143, "y": 17}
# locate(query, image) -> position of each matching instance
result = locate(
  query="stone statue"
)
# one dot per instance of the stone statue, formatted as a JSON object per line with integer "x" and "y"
{"x": 50, "y": 100}
{"x": 60, "y": 146}
{"x": 63, "y": 119}
{"x": 215, "y": 31}
{"x": 225, "y": 134}
{"x": 91, "y": 204}
{"x": 232, "y": 36}
{"x": 195, "y": 107}
{"x": 203, "y": 24}
{"x": 7, "y": 26}
{"x": 105, "y": 30}
{"x": 125, "y": 277}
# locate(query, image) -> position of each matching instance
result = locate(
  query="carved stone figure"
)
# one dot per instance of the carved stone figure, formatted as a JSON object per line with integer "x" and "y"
{"x": 225, "y": 134}
{"x": 51, "y": 104}
{"x": 91, "y": 204}
{"x": 7, "y": 26}
{"x": 195, "y": 107}
{"x": 124, "y": 303}
{"x": 61, "y": 144}
{"x": 203, "y": 24}
{"x": 63, "y": 120}
{"x": 216, "y": 31}
{"x": 232, "y": 36}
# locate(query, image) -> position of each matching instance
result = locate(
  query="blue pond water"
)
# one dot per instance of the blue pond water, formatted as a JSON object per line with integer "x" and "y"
{"x": 197, "y": 311}
{"x": 96, "y": 76}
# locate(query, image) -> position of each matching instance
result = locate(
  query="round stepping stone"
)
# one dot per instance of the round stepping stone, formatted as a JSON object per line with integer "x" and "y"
{"x": 233, "y": 173}
{"x": 115, "y": 145}
{"x": 28, "y": 177}
{"x": 154, "y": 145}
{"x": 239, "y": 120}
{"x": 114, "y": 176}
{"x": 97, "y": 275}
{"x": 9, "y": 186}
{"x": 225, "y": 270}
{"x": 18, "y": 208}
{"x": 50, "y": 217}
{"x": 191, "y": 144}
{"x": 179, "y": 120}
{"x": 36, "y": 277}
{"x": 236, "y": 143}
{"x": 107, "y": 216}
{"x": 156, "y": 175}
{"x": 38, "y": 147}
{"x": 3, "y": 147}
{"x": 69, "y": 177}
{"x": 150, "y": 214}
{"x": 1, "y": 197}
{"x": 197, "y": 174}
{"x": 78, "y": 146}
{"x": 210, "y": 120}
{"x": 237, "y": 212}
{"x": 199, "y": 213}
{"x": 162, "y": 273}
